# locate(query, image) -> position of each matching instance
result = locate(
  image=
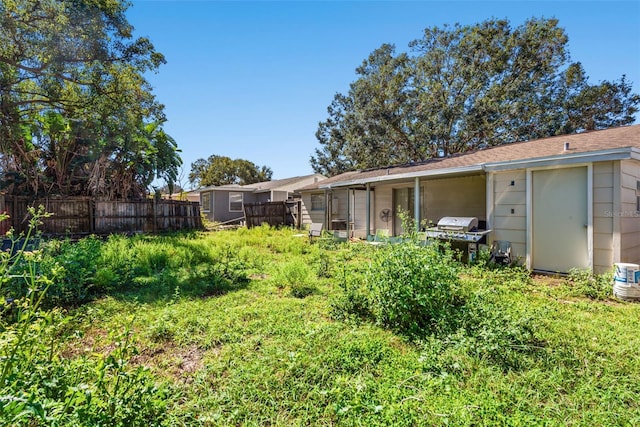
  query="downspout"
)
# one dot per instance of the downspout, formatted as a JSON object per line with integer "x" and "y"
{"x": 416, "y": 203}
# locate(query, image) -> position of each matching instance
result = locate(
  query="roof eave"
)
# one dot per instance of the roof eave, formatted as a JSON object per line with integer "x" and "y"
{"x": 564, "y": 159}
{"x": 396, "y": 177}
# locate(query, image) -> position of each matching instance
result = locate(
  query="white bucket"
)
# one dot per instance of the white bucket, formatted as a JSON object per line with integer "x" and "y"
{"x": 626, "y": 281}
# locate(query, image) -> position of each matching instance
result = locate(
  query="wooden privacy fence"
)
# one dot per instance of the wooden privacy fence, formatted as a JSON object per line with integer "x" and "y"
{"x": 85, "y": 215}
{"x": 272, "y": 213}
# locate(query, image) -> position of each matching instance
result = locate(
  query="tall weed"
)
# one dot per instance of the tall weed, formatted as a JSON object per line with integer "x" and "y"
{"x": 297, "y": 276}
{"x": 585, "y": 283}
{"x": 40, "y": 387}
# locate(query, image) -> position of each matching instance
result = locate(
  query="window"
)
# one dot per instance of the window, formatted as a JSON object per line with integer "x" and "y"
{"x": 317, "y": 202}
{"x": 205, "y": 201}
{"x": 235, "y": 202}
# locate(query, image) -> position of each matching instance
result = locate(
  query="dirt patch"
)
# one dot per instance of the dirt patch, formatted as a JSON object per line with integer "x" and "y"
{"x": 165, "y": 359}
{"x": 93, "y": 340}
{"x": 548, "y": 280}
{"x": 178, "y": 363}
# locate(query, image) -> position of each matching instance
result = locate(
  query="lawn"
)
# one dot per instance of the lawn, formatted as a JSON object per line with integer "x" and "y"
{"x": 260, "y": 327}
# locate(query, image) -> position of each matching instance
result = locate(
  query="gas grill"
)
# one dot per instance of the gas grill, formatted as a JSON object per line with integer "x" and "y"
{"x": 457, "y": 228}
{"x": 462, "y": 231}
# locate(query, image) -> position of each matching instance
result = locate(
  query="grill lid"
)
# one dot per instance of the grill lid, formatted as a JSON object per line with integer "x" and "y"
{"x": 458, "y": 223}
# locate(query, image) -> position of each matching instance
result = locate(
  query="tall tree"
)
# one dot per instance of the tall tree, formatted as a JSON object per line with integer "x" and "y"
{"x": 222, "y": 170}
{"x": 464, "y": 87}
{"x": 74, "y": 103}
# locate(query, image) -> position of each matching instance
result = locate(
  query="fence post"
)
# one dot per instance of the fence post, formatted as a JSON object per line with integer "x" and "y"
{"x": 92, "y": 215}
{"x": 14, "y": 219}
{"x": 155, "y": 215}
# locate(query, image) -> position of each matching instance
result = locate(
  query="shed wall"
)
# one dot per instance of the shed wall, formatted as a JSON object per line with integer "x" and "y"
{"x": 603, "y": 202}
{"x": 629, "y": 211}
{"x": 510, "y": 210}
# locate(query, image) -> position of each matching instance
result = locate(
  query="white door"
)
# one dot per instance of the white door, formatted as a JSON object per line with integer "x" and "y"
{"x": 560, "y": 220}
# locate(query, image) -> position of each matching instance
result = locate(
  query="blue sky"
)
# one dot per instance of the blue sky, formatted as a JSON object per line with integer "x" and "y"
{"x": 252, "y": 79}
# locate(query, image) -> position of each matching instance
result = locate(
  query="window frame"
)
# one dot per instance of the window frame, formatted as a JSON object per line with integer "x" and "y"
{"x": 205, "y": 201}
{"x": 314, "y": 203}
{"x": 235, "y": 194}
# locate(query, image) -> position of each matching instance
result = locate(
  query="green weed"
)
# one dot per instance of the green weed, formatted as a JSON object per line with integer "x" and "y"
{"x": 391, "y": 336}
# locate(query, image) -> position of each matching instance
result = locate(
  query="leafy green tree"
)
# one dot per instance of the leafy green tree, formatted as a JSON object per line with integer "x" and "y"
{"x": 335, "y": 156}
{"x": 592, "y": 107}
{"x": 74, "y": 103}
{"x": 222, "y": 170}
{"x": 461, "y": 88}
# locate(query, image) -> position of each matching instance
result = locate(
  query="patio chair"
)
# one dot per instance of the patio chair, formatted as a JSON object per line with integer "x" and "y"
{"x": 315, "y": 230}
{"x": 501, "y": 252}
{"x": 380, "y": 238}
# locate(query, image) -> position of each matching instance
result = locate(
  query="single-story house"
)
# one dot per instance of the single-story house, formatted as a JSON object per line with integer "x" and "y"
{"x": 192, "y": 195}
{"x": 225, "y": 203}
{"x": 189, "y": 196}
{"x": 563, "y": 202}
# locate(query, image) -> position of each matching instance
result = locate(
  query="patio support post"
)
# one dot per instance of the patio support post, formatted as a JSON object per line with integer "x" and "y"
{"x": 368, "y": 210}
{"x": 349, "y": 209}
{"x": 416, "y": 203}
{"x": 327, "y": 209}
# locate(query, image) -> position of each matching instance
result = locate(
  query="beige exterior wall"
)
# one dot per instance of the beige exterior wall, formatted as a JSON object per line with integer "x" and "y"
{"x": 382, "y": 199}
{"x": 603, "y": 206}
{"x": 629, "y": 215}
{"x": 339, "y": 207}
{"x": 510, "y": 211}
{"x": 460, "y": 196}
{"x": 357, "y": 213}
{"x": 308, "y": 215}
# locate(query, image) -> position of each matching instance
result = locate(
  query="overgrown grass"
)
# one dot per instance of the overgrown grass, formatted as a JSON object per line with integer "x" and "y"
{"x": 258, "y": 327}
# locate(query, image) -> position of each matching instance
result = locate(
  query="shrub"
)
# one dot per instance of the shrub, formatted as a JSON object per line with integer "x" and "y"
{"x": 79, "y": 262}
{"x": 412, "y": 287}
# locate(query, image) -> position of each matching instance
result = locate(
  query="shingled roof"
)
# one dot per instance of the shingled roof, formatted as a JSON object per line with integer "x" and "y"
{"x": 562, "y": 148}
{"x": 264, "y": 186}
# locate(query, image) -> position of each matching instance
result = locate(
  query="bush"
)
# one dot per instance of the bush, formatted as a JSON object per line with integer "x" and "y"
{"x": 79, "y": 262}
{"x": 412, "y": 287}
